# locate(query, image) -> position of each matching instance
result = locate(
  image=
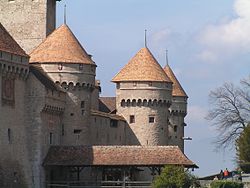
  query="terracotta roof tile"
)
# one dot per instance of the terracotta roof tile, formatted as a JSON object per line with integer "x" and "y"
{"x": 116, "y": 156}
{"x": 142, "y": 67}
{"x": 61, "y": 46}
{"x": 8, "y": 43}
{"x": 177, "y": 89}
{"x": 107, "y": 104}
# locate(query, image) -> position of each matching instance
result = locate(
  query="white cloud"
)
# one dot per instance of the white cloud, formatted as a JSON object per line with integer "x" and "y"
{"x": 230, "y": 38}
{"x": 208, "y": 56}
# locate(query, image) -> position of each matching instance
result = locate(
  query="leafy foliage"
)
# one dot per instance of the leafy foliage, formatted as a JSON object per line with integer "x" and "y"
{"x": 231, "y": 111}
{"x": 226, "y": 184}
{"x": 243, "y": 149}
{"x": 173, "y": 177}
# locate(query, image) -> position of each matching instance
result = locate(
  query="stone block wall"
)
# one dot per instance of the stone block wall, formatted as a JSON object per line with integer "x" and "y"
{"x": 28, "y": 21}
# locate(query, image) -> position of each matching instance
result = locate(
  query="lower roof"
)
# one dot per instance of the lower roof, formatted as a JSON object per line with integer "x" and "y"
{"x": 116, "y": 156}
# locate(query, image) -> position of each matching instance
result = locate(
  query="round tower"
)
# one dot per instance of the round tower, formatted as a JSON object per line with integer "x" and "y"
{"x": 178, "y": 111}
{"x": 143, "y": 96}
{"x": 67, "y": 63}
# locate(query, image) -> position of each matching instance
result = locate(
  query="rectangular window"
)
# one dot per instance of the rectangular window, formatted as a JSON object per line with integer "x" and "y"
{"x": 63, "y": 130}
{"x": 80, "y": 66}
{"x": 50, "y": 138}
{"x": 77, "y": 131}
{"x": 113, "y": 123}
{"x": 82, "y": 104}
{"x": 131, "y": 119}
{"x": 151, "y": 119}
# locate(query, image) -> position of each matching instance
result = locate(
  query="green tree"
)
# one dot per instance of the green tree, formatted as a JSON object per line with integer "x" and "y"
{"x": 173, "y": 177}
{"x": 230, "y": 112}
{"x": 243, "y": 149}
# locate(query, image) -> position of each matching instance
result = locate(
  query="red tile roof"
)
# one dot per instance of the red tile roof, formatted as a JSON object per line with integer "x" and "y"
{"x": 116, "y": 156}
{"x": 8, "y": 43}
{"x": 177, "y": 89}
{"x": 142, "y": 67}
{"x": 61, "y": 46}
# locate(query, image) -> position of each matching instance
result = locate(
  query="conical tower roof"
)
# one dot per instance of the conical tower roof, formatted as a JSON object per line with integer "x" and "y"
{"x": 8, "y": 44}
{"x": 177, "y": 89}
{"x": 61, "y": 46}
{"x": 142, "y": 67}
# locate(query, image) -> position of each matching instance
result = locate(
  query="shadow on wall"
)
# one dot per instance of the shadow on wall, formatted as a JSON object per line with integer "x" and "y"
{"x": 11, "y": 175}
{"x": 130, "y": 137}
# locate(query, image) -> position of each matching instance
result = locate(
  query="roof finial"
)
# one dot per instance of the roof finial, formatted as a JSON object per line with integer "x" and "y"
{"x": 65, "y": 16}
{"x": 145, "y": 35}
{"x": 167, "y": 57}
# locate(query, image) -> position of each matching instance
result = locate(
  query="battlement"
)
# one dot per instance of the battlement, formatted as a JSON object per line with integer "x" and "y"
{"x": 76, "y": 86}
{"x": 145, "y": 102}
{"x": 14, "y": 65}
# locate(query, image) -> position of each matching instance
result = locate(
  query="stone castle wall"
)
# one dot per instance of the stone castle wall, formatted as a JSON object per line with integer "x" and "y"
{"x": 178, "y": 111}
{"x": 145, "y": 101}
{"x": 78, "y": 80}
{"x": 28, "y": 21}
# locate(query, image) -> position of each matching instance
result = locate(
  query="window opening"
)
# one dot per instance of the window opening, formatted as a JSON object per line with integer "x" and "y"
{"x": 131, "y": 119}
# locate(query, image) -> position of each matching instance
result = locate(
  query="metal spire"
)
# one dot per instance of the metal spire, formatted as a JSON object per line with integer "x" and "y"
{"x": 65, "y": 16}
{"x": 167, "y": 57}
{"x": 145, "y": 38}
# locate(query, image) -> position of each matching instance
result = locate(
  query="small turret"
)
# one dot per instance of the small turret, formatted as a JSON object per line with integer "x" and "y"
{"x": 178, "y": 111}
{"x": 67, "y": 63}
{"x": 143, "y": 97}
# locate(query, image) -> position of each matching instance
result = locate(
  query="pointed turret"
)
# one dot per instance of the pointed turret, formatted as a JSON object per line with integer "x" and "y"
{"x": 142, "y": 67}
{"x": 178, "y": 111}
{"x": 177, "y": 88}
{"x": 60, "y": 47}
{"x": 143, "y": 95}
{"x": 67, "y": 63}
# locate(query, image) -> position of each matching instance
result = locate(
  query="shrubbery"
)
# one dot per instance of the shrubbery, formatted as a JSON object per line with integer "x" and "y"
{"x": 226, "y": 184}
{"x": 174, "y": 177}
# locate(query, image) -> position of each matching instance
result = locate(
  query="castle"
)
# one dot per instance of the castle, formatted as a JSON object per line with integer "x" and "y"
{"x": 54, "y": 126}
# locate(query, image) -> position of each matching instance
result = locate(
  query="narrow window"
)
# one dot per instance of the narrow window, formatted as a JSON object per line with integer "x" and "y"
{"x": 9, "y": 136}
{"x": 83, "y": 112}
{"x": 175, "y": 128}
{"x": 151, "y": 119}
{"x": 1, "y": 54}
{"x": 50, "y": 138}
{"x": 60, "y": 66}
{"x": 131, "y": 119}
{"x": 118, "y": 86}
{"x": 150, "y": 83}
{"x": 134, "y": 83}
{"x": 82, "y": 104}
{"x": 63, "y": 130}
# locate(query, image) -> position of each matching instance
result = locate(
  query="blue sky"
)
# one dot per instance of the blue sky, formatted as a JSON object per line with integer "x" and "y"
{"x": 208, "y": 44}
